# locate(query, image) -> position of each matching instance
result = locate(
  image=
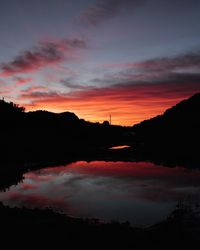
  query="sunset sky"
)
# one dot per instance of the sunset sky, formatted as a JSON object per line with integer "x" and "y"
{"x": 128, "y": 58}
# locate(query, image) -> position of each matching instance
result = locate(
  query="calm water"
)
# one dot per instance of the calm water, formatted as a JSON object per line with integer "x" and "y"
{"x": 142, "y": 193}
{"x": 120, "y": 147}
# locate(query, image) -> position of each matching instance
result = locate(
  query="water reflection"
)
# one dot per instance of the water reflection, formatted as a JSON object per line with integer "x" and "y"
{"x": 142, "y": 193}
{"x": 120, "y": 147}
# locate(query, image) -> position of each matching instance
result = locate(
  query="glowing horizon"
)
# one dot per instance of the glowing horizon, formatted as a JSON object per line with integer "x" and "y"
{"x": 127, "y": 105}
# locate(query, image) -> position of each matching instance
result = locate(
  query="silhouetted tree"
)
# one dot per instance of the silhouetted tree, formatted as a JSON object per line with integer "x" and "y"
{"x": 7, "y": 107}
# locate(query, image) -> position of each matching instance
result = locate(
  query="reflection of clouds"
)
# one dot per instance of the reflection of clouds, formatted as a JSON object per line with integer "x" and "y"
{"x": 84, "y": 189}
{"x": 33, "y": 201}
{"x": 28, "y": 186}
{"x": 142, "y": 180}
{"x": 74, "y": 180}
{"x": 143, "y": 170}
{"x": 36, "y": 176}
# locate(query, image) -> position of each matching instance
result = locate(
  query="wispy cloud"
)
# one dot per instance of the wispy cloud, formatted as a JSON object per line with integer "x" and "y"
{"x": 183, "y": 61}
{"x": 103, "y": 10}
{"x": 42, "y": 55}
{"x": 189, "y": 58}
{"x": 22, "y": 80}
{"x": 37, "y": 93}
{"x": 68, "y": 83}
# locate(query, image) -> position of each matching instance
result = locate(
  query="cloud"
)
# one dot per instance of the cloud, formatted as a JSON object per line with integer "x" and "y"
{"x": 37, "y": 94}
{"x": 179, "y": 68}
{"x": 5, "y": 90}
{"x": 34, "y": 89}
{"x": 103, "y": 10}
{"x": 183, "y": 61}
{"x": 22, "y": 81}
{"x": 45, "y": 54}
{"x": 67, "y": 83}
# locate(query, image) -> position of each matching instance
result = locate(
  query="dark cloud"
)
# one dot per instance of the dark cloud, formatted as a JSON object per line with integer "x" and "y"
{"x": 67, "y": 83}
{"x": 106, "y": 9}
{"x": 119, "y": 94}
{"x": 39, "y": 94}
{"x": 46, "y": 53}
{"x": 187, "y": 60}
{"x": 183, "y": 68}
{"x": 184, "y": 78}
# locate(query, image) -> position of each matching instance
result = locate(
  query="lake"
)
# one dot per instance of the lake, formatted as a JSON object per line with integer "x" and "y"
{"x": 139, "y": 192}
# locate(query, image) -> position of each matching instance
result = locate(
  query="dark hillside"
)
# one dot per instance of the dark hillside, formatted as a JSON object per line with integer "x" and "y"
{"x": 173, "y": 135}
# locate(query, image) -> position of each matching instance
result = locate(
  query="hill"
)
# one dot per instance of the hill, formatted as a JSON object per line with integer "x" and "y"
{"x": 42, "y": 136}
{"x": 174, "y": 135}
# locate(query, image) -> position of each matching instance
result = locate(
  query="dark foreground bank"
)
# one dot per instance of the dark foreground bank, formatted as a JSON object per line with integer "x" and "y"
{"x": 24, "y": 228}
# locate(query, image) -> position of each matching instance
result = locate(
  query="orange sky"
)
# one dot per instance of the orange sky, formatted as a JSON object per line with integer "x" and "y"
{"x": 127, "y": 104}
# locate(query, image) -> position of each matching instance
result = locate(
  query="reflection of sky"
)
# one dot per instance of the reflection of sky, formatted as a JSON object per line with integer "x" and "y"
{"x": 142, "y": 193}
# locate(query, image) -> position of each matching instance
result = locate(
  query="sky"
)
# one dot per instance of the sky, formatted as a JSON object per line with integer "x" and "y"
{"x": 130, "y": 59}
